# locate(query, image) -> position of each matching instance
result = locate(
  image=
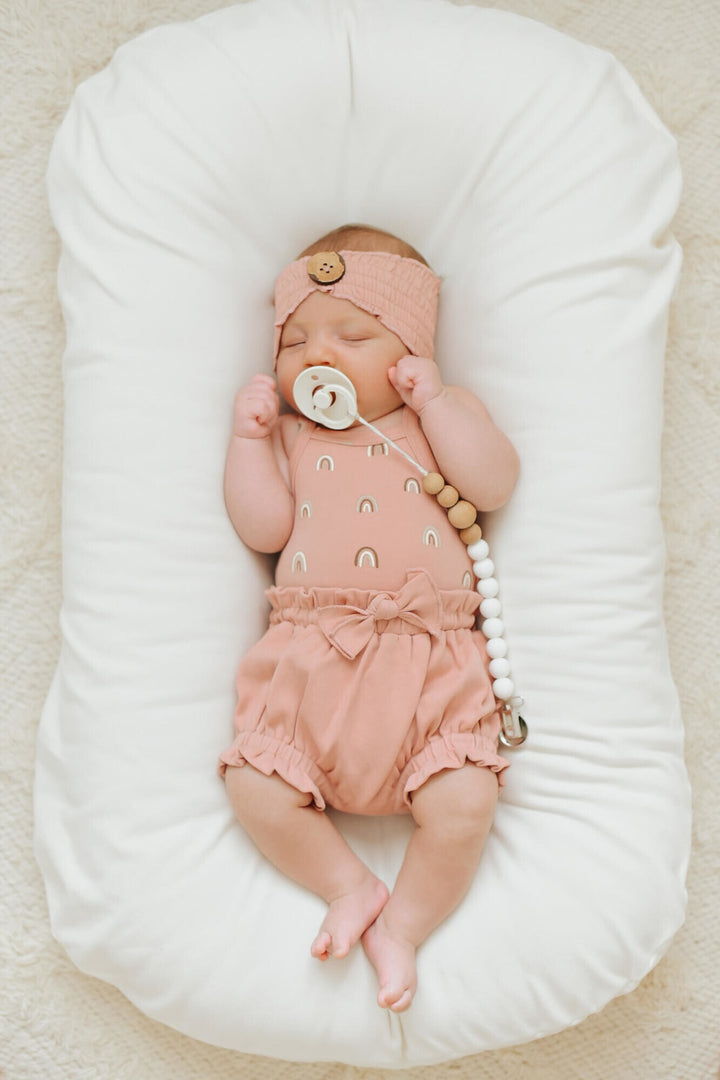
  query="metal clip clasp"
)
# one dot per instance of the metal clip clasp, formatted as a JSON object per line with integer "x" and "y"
{"x": 513, "y": 729}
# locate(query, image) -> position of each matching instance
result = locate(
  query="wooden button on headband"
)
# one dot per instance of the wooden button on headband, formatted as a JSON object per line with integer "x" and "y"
{"x": 326, "y": 267}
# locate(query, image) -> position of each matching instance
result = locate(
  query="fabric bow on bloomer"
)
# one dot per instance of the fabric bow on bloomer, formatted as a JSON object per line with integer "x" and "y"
{"x": 415, "y": 609}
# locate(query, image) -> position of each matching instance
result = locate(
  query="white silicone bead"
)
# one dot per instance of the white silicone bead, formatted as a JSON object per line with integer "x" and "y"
{"x": 493, "y": 628}
{"x": 499, "y": 668}
{"x": 484, "y": 569}
{"x": 496, "y": 647}
{"x": 503, "y": 689}
{"x": 478, "y": 550}
{"x": 489, "y": 587}
{"x": 490, "y": 607}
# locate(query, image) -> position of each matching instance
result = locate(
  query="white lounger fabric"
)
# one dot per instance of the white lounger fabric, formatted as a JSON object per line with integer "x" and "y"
{"x": 536, "y": 180}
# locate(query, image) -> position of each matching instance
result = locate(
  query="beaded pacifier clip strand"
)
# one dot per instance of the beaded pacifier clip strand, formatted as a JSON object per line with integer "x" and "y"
{"x": 328, "y": 397}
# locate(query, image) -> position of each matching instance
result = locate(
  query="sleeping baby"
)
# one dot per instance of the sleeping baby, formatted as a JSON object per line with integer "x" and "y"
{"x": 370, "y": 691}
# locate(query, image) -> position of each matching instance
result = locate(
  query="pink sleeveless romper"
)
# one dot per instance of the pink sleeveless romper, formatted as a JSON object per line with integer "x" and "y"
{"x": 371, "y": 677}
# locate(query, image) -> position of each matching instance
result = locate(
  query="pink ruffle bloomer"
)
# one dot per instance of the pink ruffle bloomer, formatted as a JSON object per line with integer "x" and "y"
{"x": 358, "y": 696}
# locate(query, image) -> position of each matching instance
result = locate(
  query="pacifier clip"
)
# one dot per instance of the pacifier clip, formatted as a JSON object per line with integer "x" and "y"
{"x": 328, "y": 397}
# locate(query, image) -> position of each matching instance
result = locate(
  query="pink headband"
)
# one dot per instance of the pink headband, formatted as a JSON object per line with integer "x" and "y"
{"x": 402, "y": 293}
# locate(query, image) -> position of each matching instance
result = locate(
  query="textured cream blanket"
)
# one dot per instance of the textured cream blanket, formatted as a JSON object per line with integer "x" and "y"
{"x": 58, "y": 1023}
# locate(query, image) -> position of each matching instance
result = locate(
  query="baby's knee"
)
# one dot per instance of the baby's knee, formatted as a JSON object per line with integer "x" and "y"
{"x": 457, "y": 802}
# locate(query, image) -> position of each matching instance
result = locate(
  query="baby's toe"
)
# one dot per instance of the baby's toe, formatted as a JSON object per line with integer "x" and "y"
{"x": 403, "y": 1002}
{"x": 397, "y": 998}
{"x": 322, "y": 945}
{"x": 341, "y": 946}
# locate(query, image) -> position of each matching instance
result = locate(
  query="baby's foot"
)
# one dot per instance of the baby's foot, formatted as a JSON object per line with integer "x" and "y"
{"x": 393, "y": 958}
{"x": 348, "y": 916}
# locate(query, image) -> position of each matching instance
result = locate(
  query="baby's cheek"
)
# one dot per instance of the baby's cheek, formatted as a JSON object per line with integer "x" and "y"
{"x": 285, "y": 385}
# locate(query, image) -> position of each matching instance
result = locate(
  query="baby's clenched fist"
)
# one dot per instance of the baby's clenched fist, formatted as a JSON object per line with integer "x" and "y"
{"x": 417, "y": 380}
{"x": 257, "y": 407}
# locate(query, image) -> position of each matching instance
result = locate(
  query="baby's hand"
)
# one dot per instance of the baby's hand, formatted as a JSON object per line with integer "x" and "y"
{"x": 257, "y": 407}
{"x": 417, "y": 380}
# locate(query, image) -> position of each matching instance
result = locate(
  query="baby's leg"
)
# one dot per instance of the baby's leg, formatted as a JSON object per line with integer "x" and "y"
{"x": 453, "y": 812}
{"x": 305, "y": 845}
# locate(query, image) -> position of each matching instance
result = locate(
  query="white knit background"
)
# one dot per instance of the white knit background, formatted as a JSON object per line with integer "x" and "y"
{"x": 58, "y": 1024}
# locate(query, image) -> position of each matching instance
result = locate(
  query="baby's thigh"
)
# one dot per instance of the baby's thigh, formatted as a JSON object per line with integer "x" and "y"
{"x": 456, "y": 799}
{"x": 253, "y": 794}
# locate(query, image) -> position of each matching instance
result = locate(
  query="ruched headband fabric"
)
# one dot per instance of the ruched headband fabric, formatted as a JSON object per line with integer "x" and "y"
{"x": 401, "y": 292}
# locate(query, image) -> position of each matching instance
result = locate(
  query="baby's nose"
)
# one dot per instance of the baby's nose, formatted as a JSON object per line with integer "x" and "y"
{"x": 315, "y": 360}
{"x": 318, "y": 352}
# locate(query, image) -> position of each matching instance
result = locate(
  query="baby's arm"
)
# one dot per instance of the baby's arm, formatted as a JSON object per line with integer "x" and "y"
{"x": 472, "y": 453}
{"x": 257, "y": 492}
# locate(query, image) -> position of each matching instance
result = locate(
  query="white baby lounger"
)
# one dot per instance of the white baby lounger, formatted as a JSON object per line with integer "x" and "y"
{"x": 535, "y": 179}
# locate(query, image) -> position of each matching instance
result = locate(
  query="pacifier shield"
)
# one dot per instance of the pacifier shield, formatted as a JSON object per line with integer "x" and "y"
{"x": 326, "y": 396}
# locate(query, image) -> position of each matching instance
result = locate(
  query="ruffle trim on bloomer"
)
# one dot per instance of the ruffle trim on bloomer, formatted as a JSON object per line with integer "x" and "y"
{"x": 269, "y": 755}
{"x": 451, "y": 751}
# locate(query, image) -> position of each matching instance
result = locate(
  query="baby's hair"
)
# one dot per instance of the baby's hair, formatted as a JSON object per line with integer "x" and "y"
{"x": 362, "y": 238}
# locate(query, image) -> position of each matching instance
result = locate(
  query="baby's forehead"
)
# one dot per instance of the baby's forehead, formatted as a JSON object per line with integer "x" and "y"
{"x": 321, "y": 307}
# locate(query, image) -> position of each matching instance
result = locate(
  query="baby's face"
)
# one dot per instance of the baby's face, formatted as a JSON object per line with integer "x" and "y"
{"x": 326, "y": 330}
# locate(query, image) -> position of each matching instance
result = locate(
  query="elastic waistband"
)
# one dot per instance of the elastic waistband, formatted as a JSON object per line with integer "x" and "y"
{"x": 350, "y": 617}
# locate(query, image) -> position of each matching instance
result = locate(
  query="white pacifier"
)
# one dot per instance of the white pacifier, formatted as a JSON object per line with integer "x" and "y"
{"x": 326, "y": 396}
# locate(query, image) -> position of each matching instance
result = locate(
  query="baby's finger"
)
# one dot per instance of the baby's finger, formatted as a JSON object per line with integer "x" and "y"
{"x": 400, "y": 377}
{"x": 262, "y": 407}
{"x": 261, "y": 380}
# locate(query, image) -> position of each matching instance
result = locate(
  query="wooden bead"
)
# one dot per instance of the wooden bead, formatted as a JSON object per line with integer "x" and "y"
{"x": 448, "y": 496}
{"x": 462, "y": 514}
{"x": 433, "y": 483}
{"x": 471, "y": 535}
